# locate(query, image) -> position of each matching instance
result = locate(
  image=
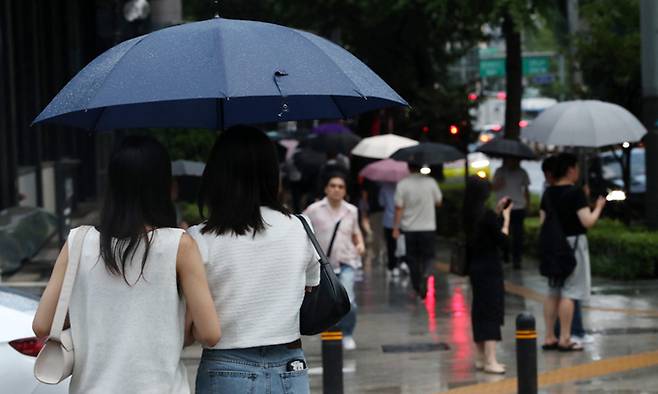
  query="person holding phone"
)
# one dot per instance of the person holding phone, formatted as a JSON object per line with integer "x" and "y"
{"x": 512, "y": 181}
{"x": 486, "y": 233}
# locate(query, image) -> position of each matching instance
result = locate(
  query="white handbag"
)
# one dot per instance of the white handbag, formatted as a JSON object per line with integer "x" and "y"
{"x": 55, "y": 360}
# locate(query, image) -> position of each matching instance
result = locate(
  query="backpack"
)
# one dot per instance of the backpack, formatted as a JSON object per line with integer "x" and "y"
{"x": 557, "y": 258}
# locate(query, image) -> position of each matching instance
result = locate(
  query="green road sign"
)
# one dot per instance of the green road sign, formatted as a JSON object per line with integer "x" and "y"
{"x": 531, "y": 65}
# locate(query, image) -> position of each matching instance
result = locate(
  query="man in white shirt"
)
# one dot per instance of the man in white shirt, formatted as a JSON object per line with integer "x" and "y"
{"x": 416, "y": 199}
{"x": 512, "y": 181}
{"x": 333, "y": 215}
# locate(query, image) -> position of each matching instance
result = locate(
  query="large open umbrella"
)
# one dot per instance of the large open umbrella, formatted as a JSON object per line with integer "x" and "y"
{"x": 428, "y": 153}
{"x": 585, "y": 123}
{"x": 382, "y": 146}
{"x": 503, "y": 147}
{"x": 215, "y": 74}
{"x": 333, "y": 143}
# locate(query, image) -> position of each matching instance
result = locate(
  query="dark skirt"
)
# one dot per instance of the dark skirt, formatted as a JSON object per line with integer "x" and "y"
{"x": 488, "y": 308}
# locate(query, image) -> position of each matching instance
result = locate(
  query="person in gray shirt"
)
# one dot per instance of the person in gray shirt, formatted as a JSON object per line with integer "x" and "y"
{"x": 416, "y": 199}
{"x": 512, "y": 181}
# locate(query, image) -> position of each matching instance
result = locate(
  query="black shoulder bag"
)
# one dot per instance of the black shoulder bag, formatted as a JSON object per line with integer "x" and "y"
{"x": 557, "y": 257}
{"x": 327, "y": 303}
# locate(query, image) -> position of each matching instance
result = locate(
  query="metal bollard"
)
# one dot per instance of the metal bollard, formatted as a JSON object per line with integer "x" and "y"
{"x": 526, "y": 354}
{"x": 332, "y": 361}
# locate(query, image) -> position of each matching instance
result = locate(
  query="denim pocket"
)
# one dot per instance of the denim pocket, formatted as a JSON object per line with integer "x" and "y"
{"x": 230, "y": 382}
{"x": 295, "y": 382}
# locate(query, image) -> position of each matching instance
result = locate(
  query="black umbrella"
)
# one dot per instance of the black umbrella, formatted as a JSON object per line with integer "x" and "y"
{"x": 333, "y": 143}
{"x": 309, "y": 162}
{"x": 502, "y": 147}
{"x": 428, "y": 153}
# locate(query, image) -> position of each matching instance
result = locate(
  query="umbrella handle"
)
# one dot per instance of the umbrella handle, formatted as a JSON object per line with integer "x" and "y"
{"x": 284, "y": 106}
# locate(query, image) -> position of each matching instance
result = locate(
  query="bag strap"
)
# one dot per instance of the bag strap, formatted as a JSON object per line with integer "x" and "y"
{"x": 323, "y": 257}
{"x": 67, "y": 285}
{"x": 333, "y": 238}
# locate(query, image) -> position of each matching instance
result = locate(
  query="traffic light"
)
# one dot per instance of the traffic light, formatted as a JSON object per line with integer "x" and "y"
{"x": 454, "y": 130}
{"x": 425, "y": 129}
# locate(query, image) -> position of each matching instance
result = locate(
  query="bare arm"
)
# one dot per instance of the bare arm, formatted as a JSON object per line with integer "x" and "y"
{"x": 588, "y": 217}
{"x": 542, "y": 216}
{"x": 203, "y": 320}
{"x": 43, "y": 319}
{"x": 396, "y": 221}
{"x": 357, "y": 240}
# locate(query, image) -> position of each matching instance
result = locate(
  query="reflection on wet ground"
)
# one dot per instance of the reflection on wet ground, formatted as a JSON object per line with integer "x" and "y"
{"x": 622, "y": 319}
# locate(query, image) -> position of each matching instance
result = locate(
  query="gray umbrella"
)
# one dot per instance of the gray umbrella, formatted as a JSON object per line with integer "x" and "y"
{"x": 584, "y": 123}
{"x": 428, "y": 153}
{"x": 187, "y": 168}
{"x": 503, "y": 147}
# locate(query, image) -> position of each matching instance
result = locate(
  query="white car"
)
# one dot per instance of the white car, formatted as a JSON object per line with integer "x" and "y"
{"x": 19, "y": 347}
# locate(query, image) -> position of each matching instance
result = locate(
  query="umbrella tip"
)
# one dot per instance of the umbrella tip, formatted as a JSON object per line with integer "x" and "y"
{"x": 216, "y": 2}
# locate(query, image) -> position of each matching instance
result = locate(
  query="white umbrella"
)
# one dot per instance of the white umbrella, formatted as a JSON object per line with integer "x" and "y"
{"x": 584, "y": 123}
{"x": 382, "y": 146}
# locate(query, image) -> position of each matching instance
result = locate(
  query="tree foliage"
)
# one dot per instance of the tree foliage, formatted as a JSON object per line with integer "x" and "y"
{"x": 608, "y": 51}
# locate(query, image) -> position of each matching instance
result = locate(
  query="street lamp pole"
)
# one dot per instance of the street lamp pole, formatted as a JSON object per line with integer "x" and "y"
{"x": 649, "y": 33}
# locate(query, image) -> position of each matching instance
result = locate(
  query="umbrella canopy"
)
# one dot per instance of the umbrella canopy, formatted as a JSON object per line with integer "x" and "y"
{"x": 428, "y": 153}
{"x": 333, "y": 143}
{"x": 503, "y": 147}
{"x": 584, "y": 123}
{"x": 387, "y": 170}
{"x": 217, "y": 73}
{"x": 382, "y": 146}
{"x": 308, "y": 161}
{"x": 187, "y": 168}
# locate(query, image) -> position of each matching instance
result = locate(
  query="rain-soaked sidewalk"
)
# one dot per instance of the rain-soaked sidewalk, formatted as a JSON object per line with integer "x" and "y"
{"x": 402, "y": 341}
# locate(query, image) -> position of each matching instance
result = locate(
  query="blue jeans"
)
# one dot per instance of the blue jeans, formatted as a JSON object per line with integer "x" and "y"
{"x": 256, "y": 370}
{"x": 346, "y": 277}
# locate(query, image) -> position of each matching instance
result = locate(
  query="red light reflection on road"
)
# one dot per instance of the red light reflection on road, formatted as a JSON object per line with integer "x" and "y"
{"x": 430, "y": 307}
{"x": 460, "y": 335}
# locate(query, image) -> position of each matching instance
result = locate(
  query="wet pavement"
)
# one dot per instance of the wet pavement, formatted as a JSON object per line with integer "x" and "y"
{"x": 434, "y": 352}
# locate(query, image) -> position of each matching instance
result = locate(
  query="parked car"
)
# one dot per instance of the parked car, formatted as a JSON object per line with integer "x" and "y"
{"x": 19, "y": 347}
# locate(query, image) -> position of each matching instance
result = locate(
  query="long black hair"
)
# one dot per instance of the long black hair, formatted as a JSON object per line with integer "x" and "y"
{"x": 241, "y": 175}
{"x": 477, "y": 193}
{"x": 138, "y": 197}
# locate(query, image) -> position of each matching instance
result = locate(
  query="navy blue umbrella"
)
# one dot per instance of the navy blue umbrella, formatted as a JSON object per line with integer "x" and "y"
{"x": 217, "y": 73}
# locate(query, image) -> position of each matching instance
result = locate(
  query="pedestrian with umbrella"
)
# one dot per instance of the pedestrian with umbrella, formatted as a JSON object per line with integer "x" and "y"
{"x": 416, "y": 198}
{"x": 512, "y": 181}
{"x": 388, "y": 173}
{"x": 588, "y": 124}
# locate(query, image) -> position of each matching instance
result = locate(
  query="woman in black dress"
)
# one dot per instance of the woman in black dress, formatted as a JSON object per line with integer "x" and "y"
{"x": 486, "y": 233}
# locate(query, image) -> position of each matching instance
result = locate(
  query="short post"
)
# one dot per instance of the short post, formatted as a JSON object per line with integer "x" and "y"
{"x": 526, "y": 354}
{"x": 332, "y": 361}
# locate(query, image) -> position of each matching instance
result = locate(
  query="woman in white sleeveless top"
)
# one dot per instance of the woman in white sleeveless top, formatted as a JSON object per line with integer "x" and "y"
{"x": 259, "y": 261}
{"x": 136, "y": 274}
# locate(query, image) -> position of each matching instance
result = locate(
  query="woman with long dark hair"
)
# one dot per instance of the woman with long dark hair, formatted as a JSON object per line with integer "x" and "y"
{"x": 259, "y": 261}
{"x": 136, "y": 276}
{"x": 485, "y": 235}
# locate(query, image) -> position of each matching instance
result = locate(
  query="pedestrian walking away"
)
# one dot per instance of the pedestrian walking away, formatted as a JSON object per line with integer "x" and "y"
{"x": 416, "y": 198}
{"x": 567, "y": 204}
{"x": 336, "y": 224}
{"x": 486, "y": 233}
{"x": 259, "y": 260}
{"x": 387, "y": 200}
{"x": 137, "y": 276}
{"x": 512, "y": 181}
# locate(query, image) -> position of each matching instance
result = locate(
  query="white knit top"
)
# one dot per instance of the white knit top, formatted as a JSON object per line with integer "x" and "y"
{"x": 128, "y": 339}
{"x": 258, "y": 282}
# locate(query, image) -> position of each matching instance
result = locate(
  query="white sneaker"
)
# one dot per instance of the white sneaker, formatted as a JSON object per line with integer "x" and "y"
{"x": 583, "y": 340}
{"x": 348, "y": 343}
{"x": 395, "y": 272}
{"x": 404, "y": 268}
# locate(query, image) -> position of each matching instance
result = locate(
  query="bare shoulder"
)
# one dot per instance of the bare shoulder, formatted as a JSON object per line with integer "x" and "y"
{"x": 187, "y": 245}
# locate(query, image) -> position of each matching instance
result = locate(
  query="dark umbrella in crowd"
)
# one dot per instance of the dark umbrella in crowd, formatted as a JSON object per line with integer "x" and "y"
{"x": 217, "y": 73}
{"x": 331, "y": 128}
{"x": 333, "y": 143}
{"x": 428, "y": 153}
{"x": 503, "y": 147}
